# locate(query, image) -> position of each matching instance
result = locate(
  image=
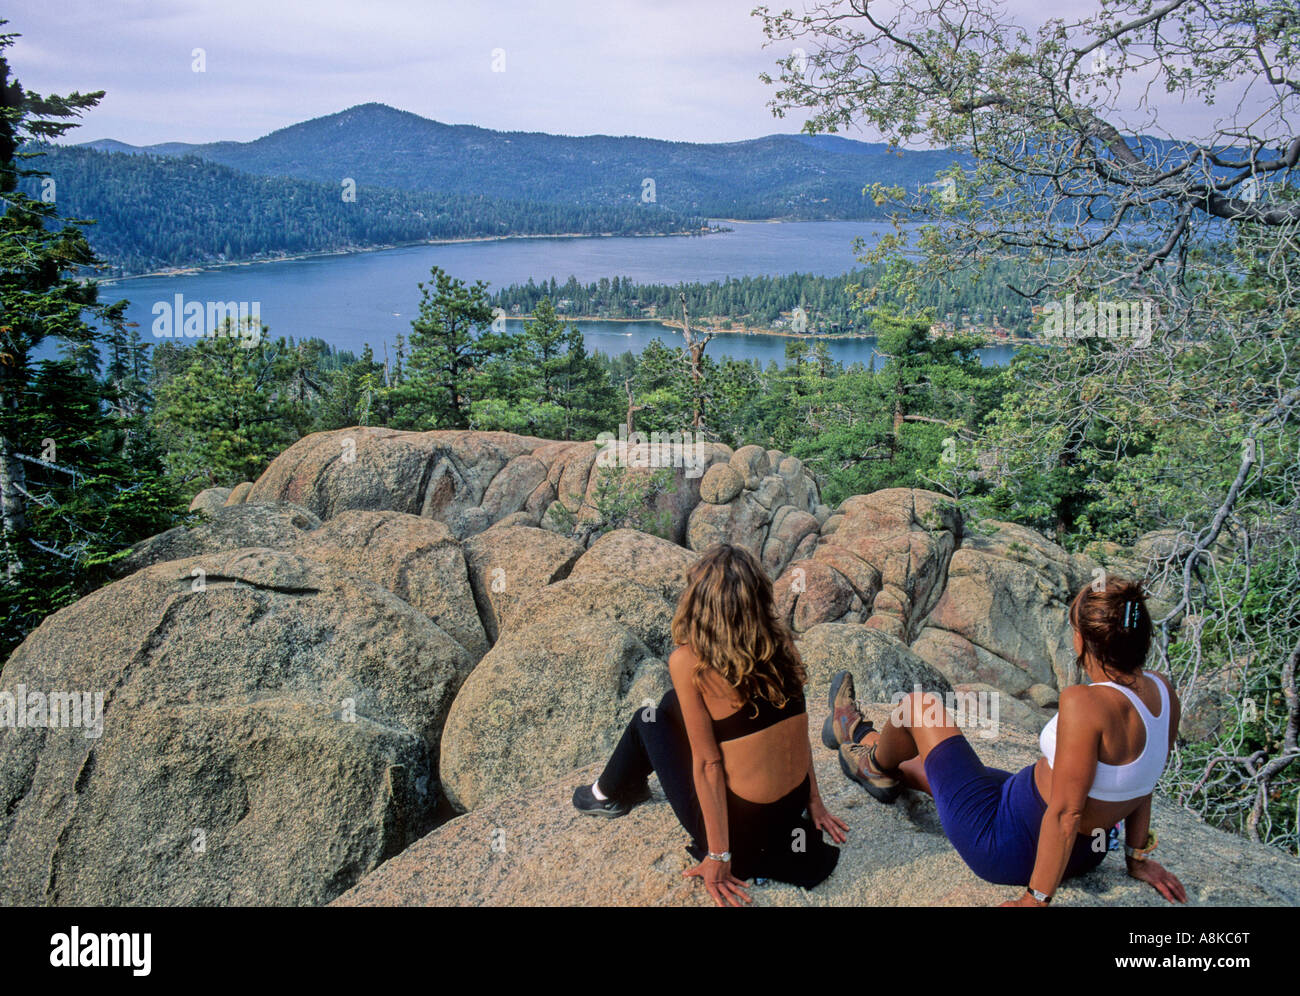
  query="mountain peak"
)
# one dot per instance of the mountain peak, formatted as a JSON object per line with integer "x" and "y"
{"x": 380, "y": 146}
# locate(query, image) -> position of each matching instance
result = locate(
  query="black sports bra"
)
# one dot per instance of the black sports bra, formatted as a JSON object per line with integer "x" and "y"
{"x": 743, "y": 722}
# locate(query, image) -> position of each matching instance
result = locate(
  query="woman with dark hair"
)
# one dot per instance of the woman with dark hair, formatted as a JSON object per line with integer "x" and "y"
{"x": 730, "y": 741}
{"x": 1102, "y": 756}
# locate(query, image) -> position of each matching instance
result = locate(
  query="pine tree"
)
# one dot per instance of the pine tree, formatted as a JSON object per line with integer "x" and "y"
{"x": 352, "y": 395}
{"x": 662, "y": 384}
{"x": 79, "y": 475}
{"x": 588, "y": 402}
{"x": 39, "y": 296}
{"x": 229, "y": 410}
{"x": 448, "y": 345}
{"x": 891, "y": 428}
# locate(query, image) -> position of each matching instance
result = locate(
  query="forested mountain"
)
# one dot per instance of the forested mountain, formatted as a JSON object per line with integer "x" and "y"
{"x": 153, "y": 211}
{"x": 176, "y": 204}
{"x": 779, "y": 176}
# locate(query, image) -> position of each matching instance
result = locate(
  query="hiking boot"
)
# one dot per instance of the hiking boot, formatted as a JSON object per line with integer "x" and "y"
{"x": 858, "y": 762}
{"x": 845, "y": 724}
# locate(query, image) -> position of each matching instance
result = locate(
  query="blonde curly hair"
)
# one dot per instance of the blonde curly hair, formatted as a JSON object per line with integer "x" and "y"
{"x": 727, "y": 615}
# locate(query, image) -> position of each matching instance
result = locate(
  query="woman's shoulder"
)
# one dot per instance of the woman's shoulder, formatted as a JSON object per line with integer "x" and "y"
{"x": 1161, "y": 679}
{"x": 1075, "y": 694}
{"x": 684, "y": 665}
{"x": 683, "y": 657}
{"x": 1091, "y": 697}
{"x": 1089, "y": 703}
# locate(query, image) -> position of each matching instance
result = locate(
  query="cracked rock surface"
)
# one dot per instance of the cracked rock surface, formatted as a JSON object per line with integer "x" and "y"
{"x": 270, "y": 729}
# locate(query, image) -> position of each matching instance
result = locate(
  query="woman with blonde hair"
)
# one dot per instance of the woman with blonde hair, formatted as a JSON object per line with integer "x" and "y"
{"x": 730, "y": 741}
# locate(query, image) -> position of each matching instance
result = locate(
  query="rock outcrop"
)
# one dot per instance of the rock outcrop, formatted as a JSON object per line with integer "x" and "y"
{"x": 574, "y": 661}
{"x": 209, "y": 500}
{"x": 417, "y": 559}
{"x": 231, "y": 527}
{"x": 883, "y": 562}
{"x": 1002, "y": 618}
{"x": 752, "y": 501}
{"x": 239, "y": 493}
{"x": 534, "y": 849}
{"x": 510, "y": 563}
{"x": 883, "y": 667}
{"x": 270, "y": 729}
{"x": 648, "y": 560}
{"x": 471, "y": 480}
{"x": 439, "y": 475}
{"x": 385, "y": 619}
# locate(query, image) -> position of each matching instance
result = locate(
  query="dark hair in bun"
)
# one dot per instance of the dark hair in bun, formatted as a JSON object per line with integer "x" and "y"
{"x": 1115, "y": 625}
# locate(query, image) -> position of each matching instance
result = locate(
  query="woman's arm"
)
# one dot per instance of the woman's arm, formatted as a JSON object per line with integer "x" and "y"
{"x": 1078, "y": 742}
{"x": 814, "y": 794}
{"x": 817, "y": 812}
{"x": 706, "y": 757}
{"x": 710, "y": 779}
{"x": 1175, "y": 709}
{"x": 1136, "y": 826}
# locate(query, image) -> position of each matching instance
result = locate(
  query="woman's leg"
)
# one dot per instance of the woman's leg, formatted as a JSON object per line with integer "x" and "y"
{"x": 656, "y": 740}
{"x": 968, "y": 795}
{"x": 629, "y": 766}
{"x": 881, "y": 760}
{"x": 913, "y": 775}
{"x": 927, "y": 750}
{"x": 918, "y": 724}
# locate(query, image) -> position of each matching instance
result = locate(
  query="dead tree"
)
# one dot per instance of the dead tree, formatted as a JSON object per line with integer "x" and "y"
{"x": 695, "y": 350}
{"x": 632, "y": 408}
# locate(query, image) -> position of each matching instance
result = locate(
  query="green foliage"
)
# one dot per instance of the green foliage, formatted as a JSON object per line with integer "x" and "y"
{"x": 542, "y": 382}
{"x": 352, "y": 394}
{"x": 889, "y": 428}
{"x": 229, "y": 410}
{"x": 1261, "y": 629}
{"x": 451, "y": 341}
{"x": 80, "y": 476}
{"x": 832, "y": 305}
{"x": 619, "y": 500}
{"x": 662, "y": 384}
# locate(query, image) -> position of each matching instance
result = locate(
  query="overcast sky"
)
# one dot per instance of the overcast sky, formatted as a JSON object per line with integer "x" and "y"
{"x": 673, "y": 69}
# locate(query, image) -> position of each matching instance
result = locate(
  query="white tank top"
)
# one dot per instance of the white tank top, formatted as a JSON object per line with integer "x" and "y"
{"x": 1122, "y": 782}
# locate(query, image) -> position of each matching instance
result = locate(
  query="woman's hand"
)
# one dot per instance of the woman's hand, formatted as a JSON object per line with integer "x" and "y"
{"x": 1024, "y": 899}
{"x": 1159, "y": 878}
{"x": 723, "y": 886}
{"x": 823, "y": 820}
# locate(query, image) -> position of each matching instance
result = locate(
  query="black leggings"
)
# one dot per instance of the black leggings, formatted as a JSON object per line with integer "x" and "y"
{"x": 656, "y": 740}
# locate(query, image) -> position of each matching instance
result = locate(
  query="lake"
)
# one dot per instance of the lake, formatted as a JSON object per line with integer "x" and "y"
{"x": 370, "y": 297}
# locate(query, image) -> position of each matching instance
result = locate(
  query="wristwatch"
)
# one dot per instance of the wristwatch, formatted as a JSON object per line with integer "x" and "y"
{"x": 724, "y": 857}
{"x": 1143, "y": 852}
{"x": 1038, "y": 897}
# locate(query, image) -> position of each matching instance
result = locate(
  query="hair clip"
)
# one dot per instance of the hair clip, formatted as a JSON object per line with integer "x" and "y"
{"x": 1131, "y": 613}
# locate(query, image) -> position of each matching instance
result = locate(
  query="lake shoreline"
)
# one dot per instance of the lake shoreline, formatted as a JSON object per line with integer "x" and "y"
{"x": 188, "y": 271}
{"x": 669, "y": 323}
{"x": 676, "y": 326}
{"x": 351, "y": 300}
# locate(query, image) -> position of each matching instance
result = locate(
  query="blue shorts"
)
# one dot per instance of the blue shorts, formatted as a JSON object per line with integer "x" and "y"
{"x": 992, "y": 817}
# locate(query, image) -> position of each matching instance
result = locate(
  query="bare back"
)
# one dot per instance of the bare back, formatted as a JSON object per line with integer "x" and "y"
{"x": 1122, "y": 741}
{"x": 763, "y": 766}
